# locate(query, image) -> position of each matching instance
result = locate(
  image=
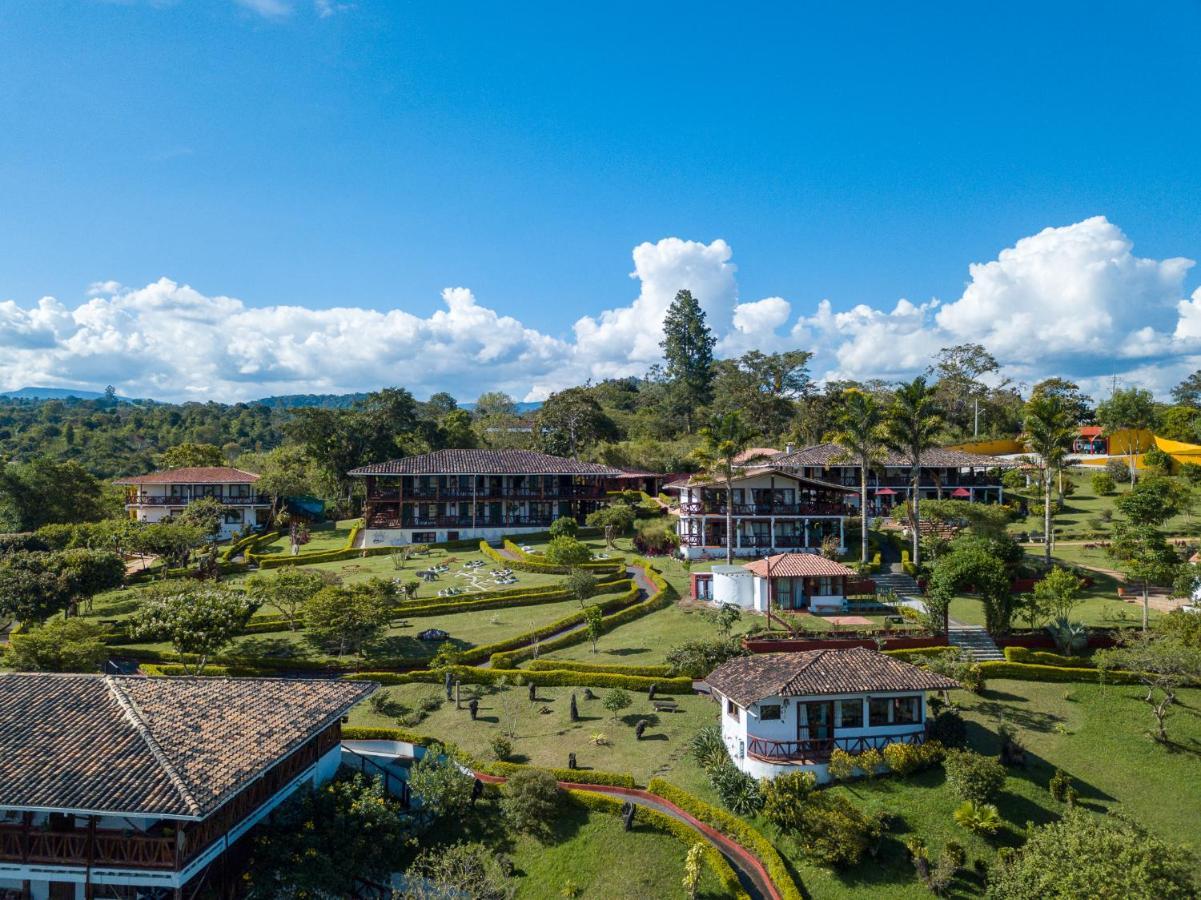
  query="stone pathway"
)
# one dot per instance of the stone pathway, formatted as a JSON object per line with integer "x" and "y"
{"x": 975, "y": 639}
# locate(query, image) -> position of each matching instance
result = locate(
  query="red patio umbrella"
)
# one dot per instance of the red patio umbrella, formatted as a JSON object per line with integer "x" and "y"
{"x": 961, "y": 492}
{"x": 885, "y": 492}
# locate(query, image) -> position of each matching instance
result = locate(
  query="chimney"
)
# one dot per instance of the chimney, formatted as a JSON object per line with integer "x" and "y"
{"x": 789, "y": 447}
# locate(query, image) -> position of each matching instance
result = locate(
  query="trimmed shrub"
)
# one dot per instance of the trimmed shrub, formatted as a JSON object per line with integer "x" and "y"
{"x": 834, "y": 832}
{"x": 1102, "y": 483}
{"x": 501, "y": 747}
{"x": 571, "y": 776}
{"x": 903, "y": 759}
{"x": 784, "y": 797}
{"x": 1045, "y": 658}
{"x": 571, "y": 665}
{"x": 841, "y": 766}
{"x": 948, "y": 728}
{"x": 530, "y": 801}
{"x": 1029, "y": 672}
{"x": 564, "y": 526}
{"x": 973, "y": 776}
{"x": 869, "y": 761}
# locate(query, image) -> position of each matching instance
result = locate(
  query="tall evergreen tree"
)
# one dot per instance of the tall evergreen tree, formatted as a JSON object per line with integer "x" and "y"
{"x": 688, "y": 347}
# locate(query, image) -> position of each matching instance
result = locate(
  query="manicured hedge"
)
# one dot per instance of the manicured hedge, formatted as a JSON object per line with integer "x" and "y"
{"x": 717, "y": 864}
{"x": 524, "y": 562}
{"x": 276, "y": 560}
{"x": 1029, "y": 672}
{"x": 502, "y": 600}
{"x": 247, "y": 543}
{"x": 1043, "y": 658}
{"x": 177, "y": 669}
{"x": 540, "y": 677}
{"x": 663, "y": 596}
{"x": 572, "y": 665}
{"x": 736, "y": 828}
{"x": 579, "y": 776}
{"x": 918, "y": 653}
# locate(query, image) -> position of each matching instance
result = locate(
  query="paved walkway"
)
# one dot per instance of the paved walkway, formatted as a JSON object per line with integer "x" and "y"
{"x": 750, "y": 870}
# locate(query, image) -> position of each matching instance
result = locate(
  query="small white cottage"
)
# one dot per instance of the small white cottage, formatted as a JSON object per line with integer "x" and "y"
{"x": 783, "y": 581}
{"x": 786, "y": 712}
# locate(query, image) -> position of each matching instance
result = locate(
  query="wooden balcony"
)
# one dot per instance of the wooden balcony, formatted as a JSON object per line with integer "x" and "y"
{"x": 819, "y": 750}
{"x": 26, "y": 844}
{"x": 742, "y": 510}
{"x": 172, "y": 500}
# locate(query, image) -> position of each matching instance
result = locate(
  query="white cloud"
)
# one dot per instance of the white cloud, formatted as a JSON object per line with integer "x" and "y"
{"x": 268, "y": 9}
{"x": 1072, "y": 301}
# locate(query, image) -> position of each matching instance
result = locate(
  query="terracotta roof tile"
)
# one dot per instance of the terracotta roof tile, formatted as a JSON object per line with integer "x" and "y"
{"x": 748, "y": 679}
{"x": 193, "y": 475}
{"x": 487, "y": 462}
{"x": 798, "y": 565}
{"x": 152, "y": 746}
{"x": 829, "y": 454}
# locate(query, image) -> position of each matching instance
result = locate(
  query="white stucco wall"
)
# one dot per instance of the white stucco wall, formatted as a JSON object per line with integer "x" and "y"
{"x": 399, "y": 537}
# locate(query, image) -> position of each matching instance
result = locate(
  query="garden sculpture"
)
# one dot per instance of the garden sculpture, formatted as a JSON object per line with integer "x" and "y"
{"x": 571, "y": 761}
{"x": 640, "y": 728}
{"x": 474, "y": 706}
{"x": 627, "y": 814}
{"x": 575, "y": 712}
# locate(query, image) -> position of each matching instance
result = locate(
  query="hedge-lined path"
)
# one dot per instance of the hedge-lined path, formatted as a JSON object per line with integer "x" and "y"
{"x": 751, "y": 873}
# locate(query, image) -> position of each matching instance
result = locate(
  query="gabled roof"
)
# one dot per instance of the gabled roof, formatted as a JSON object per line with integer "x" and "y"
{"x": 749, "y": 472}
{"x": 798, "y": 565}
{"x": 831, "y": 454}
{"x": 749, "y": 679}
{"x": 161, "y": 747}
{"x": 755, "y": 454}
{"x": 487, "y": 462}
{"x": 193, "y": 475}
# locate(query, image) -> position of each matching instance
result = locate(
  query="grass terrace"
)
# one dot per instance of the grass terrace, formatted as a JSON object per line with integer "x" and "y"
{"x": 545, "y": 738}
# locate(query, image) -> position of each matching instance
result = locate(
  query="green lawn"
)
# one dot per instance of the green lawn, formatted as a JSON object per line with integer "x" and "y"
{"x": 1084, "y": 505}
{"x": 1095, "y": 733}
{"x": 545, "y": 739}
{"x": 323, "y": 536}
{"x": 586, "y": 849}
{"x": 466, "y": 629}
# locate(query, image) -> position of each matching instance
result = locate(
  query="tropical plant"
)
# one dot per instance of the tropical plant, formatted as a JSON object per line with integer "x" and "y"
{"x": 615, "y": 700}
{"x": 860, "y": 434}
{"x": 739, "y": 792}
{"x": 708, "y": 747}
{"x": 721, "y": 442}
{"x": 911, "y": 427}
{"x": 784, "y": 797}
{"x": 1068, "y": 636}
{"x": 978, "y": 818}
{"x": 692, "y": 869}
{"x": 1048, "y": 432}
{"x": 834, "y": 832}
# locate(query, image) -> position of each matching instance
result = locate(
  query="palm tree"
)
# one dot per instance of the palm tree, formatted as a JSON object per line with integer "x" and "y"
{"x": 720, "y": 443}
{"x": 1048, "y": 431}
{"x": 911, "y": 427}
{"x": 860, "y": 434}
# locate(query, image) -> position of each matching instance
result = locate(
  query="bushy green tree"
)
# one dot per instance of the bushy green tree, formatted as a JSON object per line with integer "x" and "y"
{"x": 442, "y": 786}
{"x": 346, "y": 619}
{"x": 288, "y": 590}
{"x": 62, "y": 645}
{"x": 323, "y": 842}
{"x": 460, "y": 870}
{"x": 616, "y": 519}
{"x": 784, "y": 798}
{"x": 973, "y": 776}
{"x": 567, "y": 551}
{"x": 1086, "y": 855}
{"x": 594, "y": 623}
{"x": 1131, "y": 409}
{"x": 191, "y": 454}
{"x": 1102, "y": 483}
{"x": 564, "y": 526}
{"x": 698, "y": 658}
{"x": 530, "y": 802}
{"x": 615, "y": 700}
{"x": 198, "y": 620}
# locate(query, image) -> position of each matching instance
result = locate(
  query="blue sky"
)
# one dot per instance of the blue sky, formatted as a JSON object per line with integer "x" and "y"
{"x": 368, "y": 155}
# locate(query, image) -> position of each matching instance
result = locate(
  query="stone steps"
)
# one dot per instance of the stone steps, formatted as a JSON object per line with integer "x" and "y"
{"x": 976, "y": 641}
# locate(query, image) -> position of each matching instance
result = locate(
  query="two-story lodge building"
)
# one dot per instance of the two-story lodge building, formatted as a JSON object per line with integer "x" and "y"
{"x": 796, "y": 499}
{"x": 157, "y": 495}
{"x": 451, "y": 495}
{"x": 126, "y": 787}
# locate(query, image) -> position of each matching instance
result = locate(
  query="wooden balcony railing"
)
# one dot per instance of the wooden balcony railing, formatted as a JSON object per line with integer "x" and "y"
{"x": 767, "y": 509}
{"x": 19, "y": 843}
{"x": 818, "y": 750}
{"x": 172, "y": 500}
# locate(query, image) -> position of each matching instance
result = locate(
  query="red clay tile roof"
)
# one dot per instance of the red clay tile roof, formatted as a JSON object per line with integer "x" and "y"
{"x": 170, "y": 747}
{"x": 755, "y": 453}
{"x": 798, "y": 565}
{"x": 1091, "y": 431}
{"x": 831, "y": 454}
{"x": 194, "y": 475}
{"x": 755, "y": 471}
{"x": 749, "y": 679}
{"x": 487, "y": 462}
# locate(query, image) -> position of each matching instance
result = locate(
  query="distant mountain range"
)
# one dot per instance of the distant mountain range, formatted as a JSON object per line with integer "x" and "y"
{"x": 284, "y": 401}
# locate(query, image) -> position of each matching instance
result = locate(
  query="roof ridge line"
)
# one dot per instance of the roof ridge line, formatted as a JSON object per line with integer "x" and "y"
{"x": 811, "y": 657}
{"x": 130, "y": 708}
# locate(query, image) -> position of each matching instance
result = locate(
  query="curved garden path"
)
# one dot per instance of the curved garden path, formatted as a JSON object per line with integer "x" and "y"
{"x": 750, "y": 870}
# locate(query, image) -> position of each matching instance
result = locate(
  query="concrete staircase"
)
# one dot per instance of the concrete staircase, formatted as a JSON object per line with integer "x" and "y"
{"x": 976, "y": 640}
{"x": 898, "y": 582}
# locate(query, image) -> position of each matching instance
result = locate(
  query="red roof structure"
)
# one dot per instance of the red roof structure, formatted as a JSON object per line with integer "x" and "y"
{"x": 194, "y": 475}
{"x": 798, "y": 565}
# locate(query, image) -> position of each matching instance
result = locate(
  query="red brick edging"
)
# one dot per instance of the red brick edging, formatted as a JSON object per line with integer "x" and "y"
{"x": 747, "y": 860}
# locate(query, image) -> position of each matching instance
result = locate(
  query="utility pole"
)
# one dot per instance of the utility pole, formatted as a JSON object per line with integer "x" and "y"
{"x": 976, "y": 418}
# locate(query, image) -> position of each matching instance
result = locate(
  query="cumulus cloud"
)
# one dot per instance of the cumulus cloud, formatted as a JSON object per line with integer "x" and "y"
{"x": 1072, "y": 301}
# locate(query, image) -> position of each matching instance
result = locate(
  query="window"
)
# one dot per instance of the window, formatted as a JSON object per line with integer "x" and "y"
{"x": 232, "y": 516}
{"x": 769, "y": 711}
{"x": 732, "y": 709}
{"x": 424, "y": 537}
{"x": 877, "y": 710}
{"x": 851, "y": 713}
{"x": 906, "y": 710}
